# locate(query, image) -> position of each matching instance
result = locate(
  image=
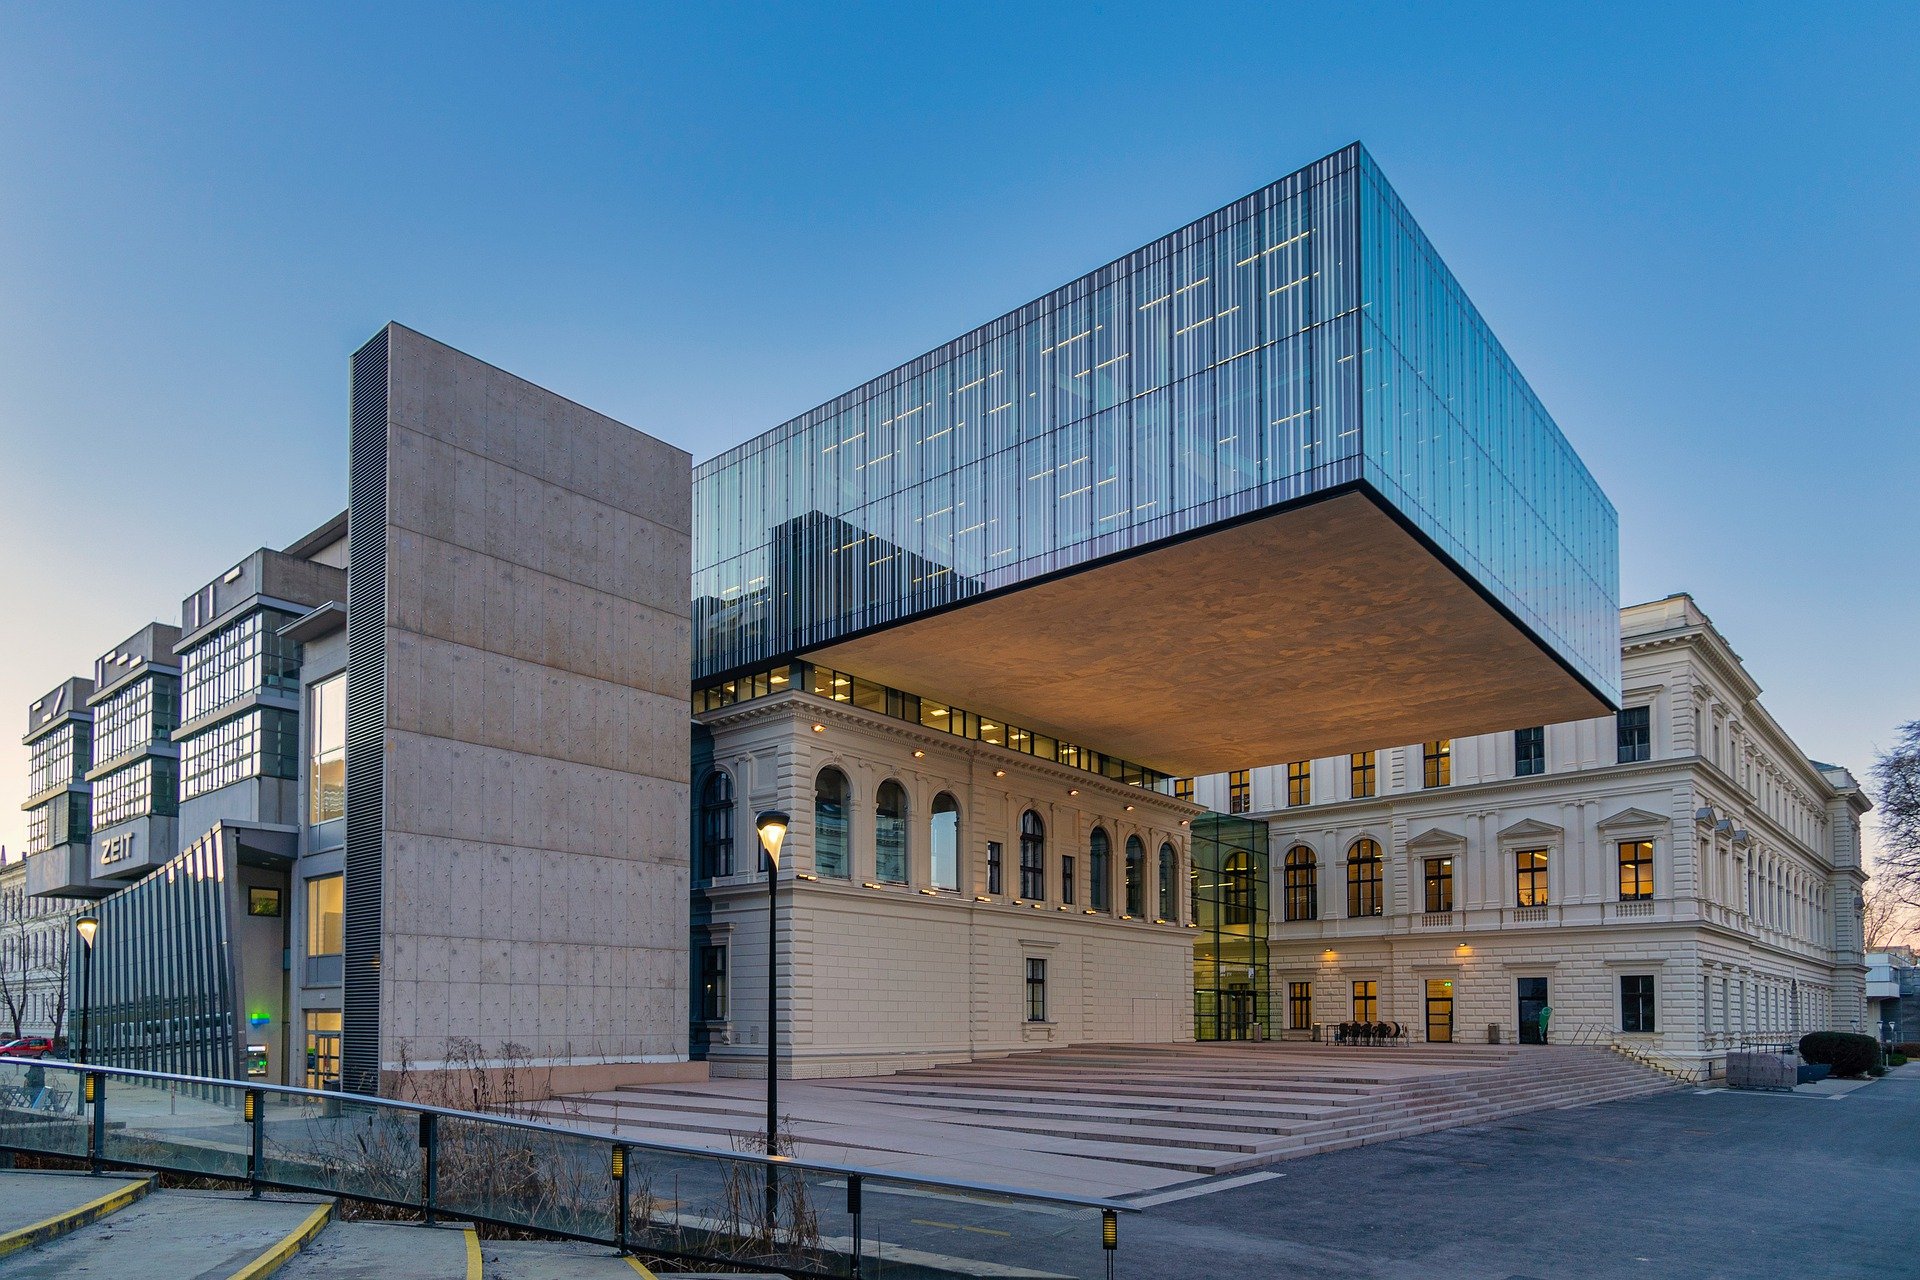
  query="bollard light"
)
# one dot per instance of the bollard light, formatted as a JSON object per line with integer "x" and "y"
{"x": 1109, "y": 1229}
{"x": 619, "y": 1169}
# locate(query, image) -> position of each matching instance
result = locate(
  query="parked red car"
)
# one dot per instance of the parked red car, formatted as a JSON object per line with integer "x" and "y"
{"x": 27, "y": 1047}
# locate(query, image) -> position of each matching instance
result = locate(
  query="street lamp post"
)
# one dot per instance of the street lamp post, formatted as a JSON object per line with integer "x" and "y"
{"x": 772, "y": 825}
{"x": 88, "y": 928}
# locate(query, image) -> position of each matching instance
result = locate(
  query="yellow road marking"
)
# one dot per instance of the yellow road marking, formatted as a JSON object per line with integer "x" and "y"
{"x": 473, "y": 1253}
{"x": 73, "y": 1219}
{"x": 272, "y": 1260}
{"x": 635, "y": 1264}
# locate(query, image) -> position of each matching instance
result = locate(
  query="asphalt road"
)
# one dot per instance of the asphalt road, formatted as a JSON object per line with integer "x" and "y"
{"x": 1683, "y": 1186}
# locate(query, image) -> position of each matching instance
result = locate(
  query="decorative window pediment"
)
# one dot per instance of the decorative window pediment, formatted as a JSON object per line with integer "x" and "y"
{"x": 1633, "y": 820}
{"x": 1529, "y": 831}
{"x": 1434, "y": 838}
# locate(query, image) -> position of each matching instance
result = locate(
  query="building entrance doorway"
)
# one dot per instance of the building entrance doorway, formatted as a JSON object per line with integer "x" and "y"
{"x": 323, "y": 1049}
{"x": 1236, "y": 1011}
{"x": 1533, "y": 998}
{"x": 1439, "y": 1010}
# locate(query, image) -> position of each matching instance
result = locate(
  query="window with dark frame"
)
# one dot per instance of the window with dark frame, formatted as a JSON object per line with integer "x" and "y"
{"x": 1100, "y": 870}
{"x": 1439, "y": 884}
{"x": 1635, "y": 731}
{"x": 1066, "y": 879}
{"x": 1363, "y": 879}
{"x": 1299, "y": 1006}
{"x": 1636, "y": 870}
{"x": 1366, "y": 1000}
{"x": 1636, "y": 1002}
{"x": 263, "y": 901}
{"x": 713, "y": 982}
{"x": 1529, "y": 752}
{"x": 1136, "y": 869}
{"x": 993, "y": 866}
{"x": 1036, "y": 989}
{"x": 1300, "y": 783}
{"x": 1239, "y": 791}
{"x": 716, "y": 826}
{"x": 1437, "y": 756}
{"x": 1300, "y": 890}
{"x": 1169, "y": 883}
{"x": 1530, "y": 878}
{"x": 1183, "y": 789}
{"x": 1361, "y": 773}
{"x": 1033, "y": 857}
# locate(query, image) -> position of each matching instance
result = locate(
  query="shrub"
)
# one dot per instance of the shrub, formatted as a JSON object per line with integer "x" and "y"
{"x": 1896, "y": 1059}
{"x": 1908, "y": 1049}
{"x": 1848, "y": 1054}
{"x": 1876, "y": 1071}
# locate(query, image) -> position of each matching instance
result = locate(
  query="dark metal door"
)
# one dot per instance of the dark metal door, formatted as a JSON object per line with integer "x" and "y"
{"x": 1533, "y": 998}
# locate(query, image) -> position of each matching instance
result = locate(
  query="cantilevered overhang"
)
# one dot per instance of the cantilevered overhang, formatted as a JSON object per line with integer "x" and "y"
{"x": 1324, "y": 628}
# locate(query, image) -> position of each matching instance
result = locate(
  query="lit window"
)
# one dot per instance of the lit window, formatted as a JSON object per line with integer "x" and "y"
{"x": 1183, "y": 789}
{"x": 1438, "y": 757}
{"x": 1299, "y": 1006}
{"x": 1363, "y": 879}
{"x": 1439, "y": 884}
{"x": 1239, "y": 791}
{"x": 1636, "y": 870}
{"x": 1530, "y": 878}
{"x": 1360, "y": 772}
{"x": 327, "y": 751}
{"x": 1366, "y": 1000}
{"x": 1302, "y": 890}
{"x": 326, "y": 932}
{"x": 1300, "y": 782}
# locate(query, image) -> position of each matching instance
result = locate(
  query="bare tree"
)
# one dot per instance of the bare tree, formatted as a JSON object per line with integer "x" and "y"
{"x": 15, "y": 980}
{"x": 60, "y": 966}
{"x": 1897, "y": 774}
{"x": 1888, "y": 919}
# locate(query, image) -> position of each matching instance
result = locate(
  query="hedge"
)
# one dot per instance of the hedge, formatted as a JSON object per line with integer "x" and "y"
{"x": 1848, "y": 1054}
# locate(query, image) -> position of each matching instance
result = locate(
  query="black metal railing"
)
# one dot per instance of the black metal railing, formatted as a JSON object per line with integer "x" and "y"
{"x": 797, "y": 1217}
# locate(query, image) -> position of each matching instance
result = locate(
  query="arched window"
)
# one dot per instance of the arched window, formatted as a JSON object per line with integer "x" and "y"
{"x": 716, "y": 826}
{"x": 830, "y": 795}
{"x": 944, "y": 831}
{"x": 1136, "y": 877}
{"x": 1169, "y": 886}
{"x": 1100, "y": 869}
{"x": 1363, "y": 879}
{"x": 1237, "y": 889}
{"x": 1033, "y": 857}
{"x": 890, "y": 834}
{"x": 1302, "y": 884}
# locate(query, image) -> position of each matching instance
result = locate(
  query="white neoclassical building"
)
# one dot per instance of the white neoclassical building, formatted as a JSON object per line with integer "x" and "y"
{"x": 1674, "y": 878}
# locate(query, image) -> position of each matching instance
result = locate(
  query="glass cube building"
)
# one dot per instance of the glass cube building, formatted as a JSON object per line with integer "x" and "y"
{"x": 1302, "y": 344}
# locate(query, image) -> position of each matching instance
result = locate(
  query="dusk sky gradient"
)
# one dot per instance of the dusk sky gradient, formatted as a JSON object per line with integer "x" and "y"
{"x": 1696, "y": 229}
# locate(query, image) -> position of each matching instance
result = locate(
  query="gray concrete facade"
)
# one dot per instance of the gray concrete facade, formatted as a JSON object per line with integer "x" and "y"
{"x": 522, "y": 617}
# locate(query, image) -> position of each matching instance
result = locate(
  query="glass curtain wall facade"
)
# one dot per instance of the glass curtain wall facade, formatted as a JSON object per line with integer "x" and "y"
{"x": 163, "y": 982}
{"x": 1230, "y": 908}
{"x": 1301, "y": 340}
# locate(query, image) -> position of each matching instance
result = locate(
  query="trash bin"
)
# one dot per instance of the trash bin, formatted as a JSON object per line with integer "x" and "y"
{"x": 1259, "y": 1033}
{"x": 1317, "y": 1029}
{"x": 1493, "y": 1033}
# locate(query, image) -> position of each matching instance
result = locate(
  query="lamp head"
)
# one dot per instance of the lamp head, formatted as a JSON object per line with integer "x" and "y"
{"x": 88, "y": 927}
{"x": 772, "y": 825}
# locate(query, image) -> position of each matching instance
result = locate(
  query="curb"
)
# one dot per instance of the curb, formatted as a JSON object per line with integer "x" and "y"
{"x": 276, "y": 1257}
{"x": 63, "y": 1223}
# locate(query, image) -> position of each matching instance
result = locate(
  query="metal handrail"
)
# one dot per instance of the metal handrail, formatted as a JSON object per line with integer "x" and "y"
{"x": 746, "y": 1157}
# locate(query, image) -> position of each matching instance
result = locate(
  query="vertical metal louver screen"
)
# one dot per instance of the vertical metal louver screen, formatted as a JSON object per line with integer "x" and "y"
{"x": 366, "y": 716}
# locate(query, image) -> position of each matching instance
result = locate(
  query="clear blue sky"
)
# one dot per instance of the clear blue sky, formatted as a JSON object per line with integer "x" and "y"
{"x": 1696, "y": 229}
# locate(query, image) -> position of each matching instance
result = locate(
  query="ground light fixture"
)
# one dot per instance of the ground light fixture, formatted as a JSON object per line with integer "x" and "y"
{"x": 772, "y": 825}
{"x": 88, "y": 927}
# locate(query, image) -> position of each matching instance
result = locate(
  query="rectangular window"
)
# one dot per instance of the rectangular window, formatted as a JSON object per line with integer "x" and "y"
{"x": 1239, "y": 791}
{"x": 1439, "y": 882}
{"x": 1300, "y": 782}
{"x": 1066, "y": 878}
{"x": 1636, "y": 870}
{"x": 1636, "y": 1002}
{"x": 251, "y": 656}
{"x": 1036, "y": 990}
{"x": 263, "y": 901}
{"x": 325, "y": 916}
{"x": 1529, "y": 752}
{"x": 261, "y": 743}
{"x": 1530, "y": 878}
{"x": 1438, "y": 758}
{"x": 1360, "y": 772}
{"x": 993, "y": 867}
{"x": 327, "y": 750}
{"x": 1033, "y": 870}
{"x": 1183, "y": 789}
{"x": 1366, "y": 1001}
{"x": 713, "y": 983}
{"x": 1299, "y": 1006}
{"x": 1635, "y": 730}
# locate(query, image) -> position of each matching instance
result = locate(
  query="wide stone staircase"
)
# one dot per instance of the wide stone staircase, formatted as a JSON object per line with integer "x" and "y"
{"x": 1120, "y": 1120}
{"x": 68, "y": 1226}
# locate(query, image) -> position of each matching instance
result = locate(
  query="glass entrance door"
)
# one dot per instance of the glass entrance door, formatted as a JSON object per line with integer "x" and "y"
{"x": 1533, "y": 998}
{"x": 1236, "y": 1009}
{"x": 323, "y": 1049}
{"x": 1439, "y": 1010}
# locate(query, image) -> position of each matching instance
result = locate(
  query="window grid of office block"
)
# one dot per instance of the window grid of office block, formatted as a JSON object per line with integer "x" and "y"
{"x": 143, "y": 712}
{"x": 262, "y": 743}
{"x": 146, "y": 787}
{"x": 59, "y": 758}
{"x": 246, "y": 658}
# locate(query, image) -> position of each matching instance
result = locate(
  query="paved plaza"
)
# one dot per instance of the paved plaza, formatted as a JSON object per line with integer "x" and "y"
{"x": 1687, "y": 1185}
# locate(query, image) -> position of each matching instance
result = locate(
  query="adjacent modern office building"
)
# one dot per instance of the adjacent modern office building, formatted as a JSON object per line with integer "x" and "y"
{"x": 1677, "y": 877}
{"x": 1264, "y": 490}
